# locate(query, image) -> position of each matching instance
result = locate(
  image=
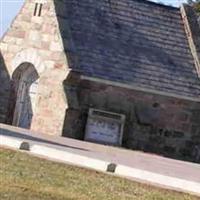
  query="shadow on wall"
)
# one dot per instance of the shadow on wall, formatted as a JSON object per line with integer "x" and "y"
{"x": 75, "y": 115}
{"x": 5, "y": 85}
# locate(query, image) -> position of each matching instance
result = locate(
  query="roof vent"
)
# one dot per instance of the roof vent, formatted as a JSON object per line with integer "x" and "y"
{"x": 38, "y": 9}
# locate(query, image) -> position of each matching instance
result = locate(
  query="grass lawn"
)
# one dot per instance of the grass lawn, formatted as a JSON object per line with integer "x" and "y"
{"x": 24, "y": 177}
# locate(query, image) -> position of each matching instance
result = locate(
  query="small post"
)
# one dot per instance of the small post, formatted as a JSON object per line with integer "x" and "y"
{"x": 25, "y": 146}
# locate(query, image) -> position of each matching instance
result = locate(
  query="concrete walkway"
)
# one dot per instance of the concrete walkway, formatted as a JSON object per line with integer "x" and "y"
{"x": 148, "y": 168}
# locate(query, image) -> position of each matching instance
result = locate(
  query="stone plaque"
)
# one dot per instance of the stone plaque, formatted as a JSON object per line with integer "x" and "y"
{"x": 104, "y": 127}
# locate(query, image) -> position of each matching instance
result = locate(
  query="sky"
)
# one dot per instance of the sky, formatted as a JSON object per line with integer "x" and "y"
{"x": 10, "y": 8}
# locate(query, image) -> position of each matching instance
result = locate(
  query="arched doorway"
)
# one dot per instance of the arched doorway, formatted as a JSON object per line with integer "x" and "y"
{"x": 25, "y": 83}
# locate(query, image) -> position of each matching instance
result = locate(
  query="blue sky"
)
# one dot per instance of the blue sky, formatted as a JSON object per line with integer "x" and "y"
{"x": 9, "y": 9}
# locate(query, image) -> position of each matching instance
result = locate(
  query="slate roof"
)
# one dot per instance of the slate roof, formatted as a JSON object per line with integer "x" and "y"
{"x": 134, "y": 42}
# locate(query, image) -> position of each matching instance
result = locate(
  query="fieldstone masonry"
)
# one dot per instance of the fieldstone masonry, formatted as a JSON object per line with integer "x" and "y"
{"x": 126, "y": 56}
{"x": 36, "y": 40}
{"x": 154, "y": 123}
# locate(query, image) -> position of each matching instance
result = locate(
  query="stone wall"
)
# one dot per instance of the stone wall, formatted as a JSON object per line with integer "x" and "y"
{"x": 154, "y": 123}
{"x": 35, "y": 40}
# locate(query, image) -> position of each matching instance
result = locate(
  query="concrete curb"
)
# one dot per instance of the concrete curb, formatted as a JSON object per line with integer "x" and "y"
{"x": 101, "y": 165}
{"x": 70, "y": 158}
{"x": 55, "y": 154}
{"x": 10, "y": 142}
{"x": 167, "y": 181}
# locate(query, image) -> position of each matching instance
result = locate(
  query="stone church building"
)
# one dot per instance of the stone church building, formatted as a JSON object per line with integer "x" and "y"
{"x": 117, "y": 72}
